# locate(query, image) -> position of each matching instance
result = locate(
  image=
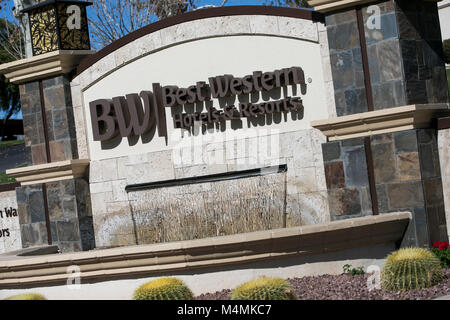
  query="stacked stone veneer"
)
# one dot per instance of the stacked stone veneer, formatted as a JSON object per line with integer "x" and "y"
{"x": 407, "y": 177}
{"x": 69, "y": 212}
{"x": 59, "y": 119}
{"x": 68, "y": 201}
{"x": 406, "y": 66}
{"x": 347, "y": 179}
{"x": 405, "y": 57}
{"x": 297, "y": 196}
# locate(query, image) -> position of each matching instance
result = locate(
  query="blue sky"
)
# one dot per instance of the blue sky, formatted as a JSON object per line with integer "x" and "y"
{"x": 199, "y": 3}
{"x": 16, "y": 116}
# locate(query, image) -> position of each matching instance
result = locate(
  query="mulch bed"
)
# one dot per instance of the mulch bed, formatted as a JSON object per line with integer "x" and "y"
{"x": 347, "y": 287}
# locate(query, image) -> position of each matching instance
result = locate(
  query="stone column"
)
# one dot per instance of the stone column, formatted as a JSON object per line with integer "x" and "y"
{"x": 53, "y": 200}
{"x": 389, "y": 85}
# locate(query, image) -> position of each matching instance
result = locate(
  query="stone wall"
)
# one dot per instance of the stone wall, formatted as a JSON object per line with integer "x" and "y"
{"x": 347, "y": 179}
{"x": 384, "y": 54}
{"x": 69, "y": 215}
{"x": 300, "y": 193}
{"x": 32, "y": 123}
{"x": 68, "y": 202}
{"x": 407, "y": 178}
{"x": 59, "y": 119}
{"x": 346, "y": 63}
{"x": 10, "y": 239}
{"x": 407, "y": 175}
{"x": 400, "y": 171}
{"x": 32, "y": 215}
{"x": 405, "y": 56}
{"x": 422, "y": 51}
{"x": 297, "y": 197}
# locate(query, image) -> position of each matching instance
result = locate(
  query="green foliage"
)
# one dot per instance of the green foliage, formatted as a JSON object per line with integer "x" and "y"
{"x": 411, "y": 268}
{"x": 163, "y": 289}
{"x": 447, "y": 51}
{"x": 4, "y": 178}
{"x": 264, "y": 289}
{"x": 27, "y": 296}
{"x": 443, "y": 256}
{"x": 11, "y": 143}
{"x": 441, "y": 249}
{"x": 9, "y": 93}
{"x": 353, "y": 271}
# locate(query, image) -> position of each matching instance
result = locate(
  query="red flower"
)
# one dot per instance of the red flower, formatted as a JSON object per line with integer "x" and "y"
{"x": 441, "y": 245}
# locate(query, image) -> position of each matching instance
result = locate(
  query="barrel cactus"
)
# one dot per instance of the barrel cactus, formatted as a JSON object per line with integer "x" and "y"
{"x": 264, "y": 288}
{"x": 411, "y": 268}
{"x": 163, "y": 289}
{"x": 27, "y": 296}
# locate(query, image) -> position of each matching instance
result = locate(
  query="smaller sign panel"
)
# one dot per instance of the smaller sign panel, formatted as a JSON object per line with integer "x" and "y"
{"x": 10, "y": 237}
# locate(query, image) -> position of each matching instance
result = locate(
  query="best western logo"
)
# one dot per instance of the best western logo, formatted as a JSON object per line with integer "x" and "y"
{"x": 137, "y": 114}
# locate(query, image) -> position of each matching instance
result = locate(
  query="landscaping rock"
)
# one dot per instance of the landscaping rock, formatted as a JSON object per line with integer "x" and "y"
{"x": 347, "y": 287}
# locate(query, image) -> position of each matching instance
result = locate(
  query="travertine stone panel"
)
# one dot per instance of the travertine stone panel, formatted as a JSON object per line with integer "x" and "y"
{"x": 194, "y": 30}
{"x": 444, "y": 157}
{"x": 304, "y": 183}
{"x": 264, "y": 25}
{"x": 297, "y": 197}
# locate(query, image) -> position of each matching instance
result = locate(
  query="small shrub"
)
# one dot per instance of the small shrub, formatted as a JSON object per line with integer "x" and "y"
{"x": 27, "y": 296}
{"x": 442, "y": 250}
{"x": 264, "y": 289}
{"x": 411, "y": 268}
{"x": 353, "y": 271}
{"x": 163, "y": 289}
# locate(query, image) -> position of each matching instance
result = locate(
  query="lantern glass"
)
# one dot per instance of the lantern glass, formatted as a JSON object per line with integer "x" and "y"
{"x": 59, "y": 25}
{"x": 73, "y": 27}
{"x": 44, "y": 33}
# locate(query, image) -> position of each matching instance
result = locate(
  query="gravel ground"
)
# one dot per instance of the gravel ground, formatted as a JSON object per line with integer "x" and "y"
{"x": 346, "y": 287}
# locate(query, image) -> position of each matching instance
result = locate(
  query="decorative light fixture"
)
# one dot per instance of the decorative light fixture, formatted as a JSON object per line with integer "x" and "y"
{"x": 58, "y": 25}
